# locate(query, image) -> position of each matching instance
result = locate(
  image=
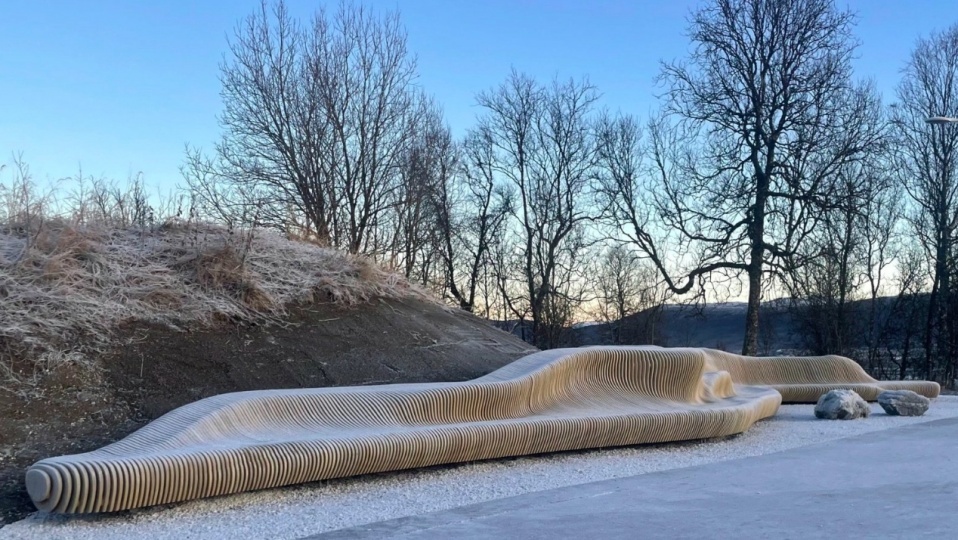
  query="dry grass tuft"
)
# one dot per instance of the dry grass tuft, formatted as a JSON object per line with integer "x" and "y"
{"x": 223, "y": 269}
{"x": 67, "y": 283}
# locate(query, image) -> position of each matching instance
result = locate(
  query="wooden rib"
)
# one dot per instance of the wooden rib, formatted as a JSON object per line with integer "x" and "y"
{"x": 550, "y": 401}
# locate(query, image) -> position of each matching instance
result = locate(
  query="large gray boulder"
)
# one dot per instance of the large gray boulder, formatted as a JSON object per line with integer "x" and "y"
{"x": 841, "y": 405}
{"x": 903, "y": 403}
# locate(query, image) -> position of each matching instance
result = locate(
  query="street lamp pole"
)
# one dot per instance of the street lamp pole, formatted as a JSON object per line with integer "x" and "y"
{"x": 946, "y": 311}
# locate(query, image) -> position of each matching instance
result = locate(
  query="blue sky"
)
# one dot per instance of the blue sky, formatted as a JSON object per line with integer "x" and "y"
{"x": 119, "y": 86}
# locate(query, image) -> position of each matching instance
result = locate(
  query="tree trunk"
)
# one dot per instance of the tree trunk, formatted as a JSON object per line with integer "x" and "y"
{"x": 750, "y": 346}
{"x": 906, "y": 351}
{"x": 756, "y": 234}
{"x": 930, "y": 325}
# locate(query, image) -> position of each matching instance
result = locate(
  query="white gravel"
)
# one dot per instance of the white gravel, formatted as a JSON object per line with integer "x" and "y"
{"x": 324, "y": 506}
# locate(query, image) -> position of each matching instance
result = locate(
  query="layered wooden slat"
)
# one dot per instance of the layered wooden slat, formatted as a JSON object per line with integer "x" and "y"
{"x": 803, "y": 379}
{"x": 564, "y": 399}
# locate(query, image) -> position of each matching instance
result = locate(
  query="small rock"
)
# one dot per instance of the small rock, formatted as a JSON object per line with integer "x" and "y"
{"x": 903, "y": 403}
{"x": 841, "y": 405}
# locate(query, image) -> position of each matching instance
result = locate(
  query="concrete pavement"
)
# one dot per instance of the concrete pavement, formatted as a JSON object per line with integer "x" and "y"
{"x": 897, "y": 483}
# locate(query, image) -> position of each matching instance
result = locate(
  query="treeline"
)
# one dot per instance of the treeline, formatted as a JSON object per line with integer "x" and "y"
{"x": 770, "y": 170}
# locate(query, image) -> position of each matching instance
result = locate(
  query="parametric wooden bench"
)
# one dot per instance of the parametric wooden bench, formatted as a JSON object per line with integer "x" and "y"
{"x": 550, "y": 401}
{"x": 803, "y": 379}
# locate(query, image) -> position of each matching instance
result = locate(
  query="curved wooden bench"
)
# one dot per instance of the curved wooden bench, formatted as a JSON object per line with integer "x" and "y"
{"x": 563, "y": 399}
{"x": 549, "y": 401}
{"x": 803, "y": 379}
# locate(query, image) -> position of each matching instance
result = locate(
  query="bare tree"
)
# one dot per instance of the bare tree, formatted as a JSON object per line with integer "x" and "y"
{"x": 883, "y": 247}
{"x": 757, "y": 124}
{"x": 928, "y": 162}
{"x": 544, "y": 147}
{"x": 903, "y": 325}
{"x": 847, "y": 252}
{"x": 626, "y": 287}
{"x": 430, "y": 167}
{"x": 471, "y": 210}
{"x": 317, "y": 120}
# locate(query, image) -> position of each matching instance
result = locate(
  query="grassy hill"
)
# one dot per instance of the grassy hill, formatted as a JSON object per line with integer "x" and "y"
{"x": 104, "y": 328}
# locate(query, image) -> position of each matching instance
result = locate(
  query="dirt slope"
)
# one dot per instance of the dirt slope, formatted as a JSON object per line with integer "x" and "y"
{"x": 157, "y": 369}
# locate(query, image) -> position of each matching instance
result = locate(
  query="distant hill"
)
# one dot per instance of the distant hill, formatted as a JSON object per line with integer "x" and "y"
{"x": 782, "y": 329}
{"x": 717, "y": 326}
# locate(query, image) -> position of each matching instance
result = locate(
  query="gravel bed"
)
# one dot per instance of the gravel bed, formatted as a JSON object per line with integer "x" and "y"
{"x": 324, "y": 506}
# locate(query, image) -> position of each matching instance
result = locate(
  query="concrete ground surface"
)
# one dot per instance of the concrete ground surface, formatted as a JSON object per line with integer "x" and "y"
{"x": 896, "y": 483}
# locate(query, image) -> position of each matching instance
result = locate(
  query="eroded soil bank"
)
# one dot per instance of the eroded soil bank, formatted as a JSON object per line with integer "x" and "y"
{"x": 154, "y": 369}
